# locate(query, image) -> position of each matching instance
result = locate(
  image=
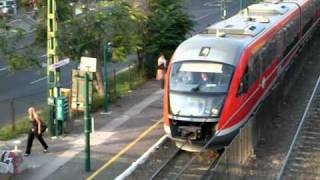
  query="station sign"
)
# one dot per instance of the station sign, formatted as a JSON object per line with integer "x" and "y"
{"x": 59, "y": 64}
{"x": 88, "y": 64}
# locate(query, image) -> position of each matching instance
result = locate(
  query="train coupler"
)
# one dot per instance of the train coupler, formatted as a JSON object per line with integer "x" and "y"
{"x": 190, "y": 132}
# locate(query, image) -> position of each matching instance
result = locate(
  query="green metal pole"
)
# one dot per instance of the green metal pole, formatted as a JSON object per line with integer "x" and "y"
{"x": 129, "y": 76}
{"x": 224, "y": 9}
{"x": 115, "y": 83}
{"x": 241, "y": 5}
{"x": 87, "y": 123}
{"x": 106, "y": 83}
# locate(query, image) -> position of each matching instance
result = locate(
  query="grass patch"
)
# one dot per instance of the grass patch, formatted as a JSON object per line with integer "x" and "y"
{"x": 22, "y": 126}
{"x": 118, "y": 86}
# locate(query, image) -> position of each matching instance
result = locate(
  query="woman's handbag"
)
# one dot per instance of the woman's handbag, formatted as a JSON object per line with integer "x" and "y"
{"x": 43, "y": 127}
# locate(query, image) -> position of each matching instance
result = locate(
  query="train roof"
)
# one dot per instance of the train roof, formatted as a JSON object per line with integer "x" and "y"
{"x": 224, "y": 41}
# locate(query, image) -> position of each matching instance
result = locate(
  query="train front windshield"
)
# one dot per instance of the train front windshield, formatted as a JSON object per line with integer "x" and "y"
{"x": 198, "y": 89}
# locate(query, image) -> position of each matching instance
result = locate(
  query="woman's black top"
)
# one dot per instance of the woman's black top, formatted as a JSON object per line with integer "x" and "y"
{"x": 35, "y": 126}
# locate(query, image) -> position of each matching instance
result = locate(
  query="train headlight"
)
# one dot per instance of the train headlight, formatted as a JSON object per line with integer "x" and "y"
{"x": 214, "y": 112}
{"x": 167, "y": 130}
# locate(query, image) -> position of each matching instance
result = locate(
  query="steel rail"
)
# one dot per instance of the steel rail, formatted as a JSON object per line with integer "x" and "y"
{"x": 165, "y": 164}
{"x": 299, "y": 129}
{"x": 212, "y": 166}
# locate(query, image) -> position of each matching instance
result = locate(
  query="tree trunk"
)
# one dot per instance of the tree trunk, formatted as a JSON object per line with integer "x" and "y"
{"x": 140, "y": 59}
{"x": 99, "y": 79}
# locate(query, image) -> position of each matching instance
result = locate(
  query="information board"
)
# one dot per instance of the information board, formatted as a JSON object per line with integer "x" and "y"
{"x": 78, "y": 86}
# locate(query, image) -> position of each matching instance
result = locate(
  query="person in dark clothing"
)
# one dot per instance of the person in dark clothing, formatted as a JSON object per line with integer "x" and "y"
{"x": 38, "y": 127}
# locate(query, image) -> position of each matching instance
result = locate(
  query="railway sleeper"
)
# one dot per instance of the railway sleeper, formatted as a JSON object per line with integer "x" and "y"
{"x": 300, "y": 159}
{"x": 314, "y": 123}
{"x": 306, "y": 143}
{"x": 309, "y": 148}
{"x": 312, "y": 131}
{"x": 295, "y": 165}
{"x": 311, "y": 142}
{"x": 172, "y": 175}
{"x": 308, "y": 137}
{"x": 191, "y": 169}
{"x": 313, "y": 118}
{"x": 303, "y": 153}
{"x": 305, "y": 139}
{"x": 302, "y": 171}
{"x": 298, "y": 175}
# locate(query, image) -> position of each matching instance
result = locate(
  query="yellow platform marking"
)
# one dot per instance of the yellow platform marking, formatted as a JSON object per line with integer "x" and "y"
{"x": 124, "y": 150}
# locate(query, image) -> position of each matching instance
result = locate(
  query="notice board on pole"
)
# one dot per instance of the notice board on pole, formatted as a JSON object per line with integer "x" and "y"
{"x": 78, "y": 87}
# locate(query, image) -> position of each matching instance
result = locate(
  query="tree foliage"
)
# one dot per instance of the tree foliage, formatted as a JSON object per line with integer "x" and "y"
{"x": 114, "y": 22}
{"x": 167, "y": 26}
{"x": 85, "y": 35}
{"x": 17, "y": 53}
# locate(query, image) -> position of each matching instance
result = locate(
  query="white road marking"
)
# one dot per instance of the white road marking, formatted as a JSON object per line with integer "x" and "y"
{"x": 215, "y": 4}
{"x": 38, "y": 80}
{"x": 4, "y": 68}
{"x": 201, "y": 17}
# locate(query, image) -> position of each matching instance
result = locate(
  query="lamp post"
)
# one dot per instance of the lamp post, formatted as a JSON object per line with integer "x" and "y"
{"x": 223, "y": 9}
{"x": 243, "y": 4}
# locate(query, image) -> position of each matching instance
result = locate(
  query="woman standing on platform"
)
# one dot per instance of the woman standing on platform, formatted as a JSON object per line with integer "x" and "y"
{"x": 38, "y": 127}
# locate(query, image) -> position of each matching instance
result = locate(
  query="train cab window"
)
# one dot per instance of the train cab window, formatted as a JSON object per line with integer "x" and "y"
{"x": 198, "y": 88}
{"x": 200, "y": 77}
{"x": 244, "y": 83}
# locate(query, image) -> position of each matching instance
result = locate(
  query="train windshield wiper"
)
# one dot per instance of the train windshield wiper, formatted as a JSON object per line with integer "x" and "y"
{"x": 178, "y": 113}
{"x": 196, "y": 88}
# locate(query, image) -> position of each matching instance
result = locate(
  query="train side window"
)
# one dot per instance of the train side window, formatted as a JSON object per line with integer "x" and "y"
{"x": 253, "y": 73}
{"x": 263, "y": 56}
{"x": 257, "y": 66}
{"x": 272, "y": 50}
{"x": 278, "y": 45}
{"x": 244, "y": 83}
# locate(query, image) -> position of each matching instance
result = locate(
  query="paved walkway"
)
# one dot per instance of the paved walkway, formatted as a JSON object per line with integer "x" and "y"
{"x": 133, "y": 114}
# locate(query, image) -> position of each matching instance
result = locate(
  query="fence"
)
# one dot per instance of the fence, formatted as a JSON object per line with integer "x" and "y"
{"x": 230, "y": 165}
{"x": 13, "y": 108}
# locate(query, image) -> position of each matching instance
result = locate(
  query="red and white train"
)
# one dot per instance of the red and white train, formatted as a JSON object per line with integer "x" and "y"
{"x": 217, "y": 79}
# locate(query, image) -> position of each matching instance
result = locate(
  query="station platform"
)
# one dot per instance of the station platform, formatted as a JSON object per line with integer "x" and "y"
{"x": 129, "y": 118}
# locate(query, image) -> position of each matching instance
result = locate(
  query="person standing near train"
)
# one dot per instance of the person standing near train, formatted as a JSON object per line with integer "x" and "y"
{"x": 161, "y": 69}
{"x": 37, "y": 129}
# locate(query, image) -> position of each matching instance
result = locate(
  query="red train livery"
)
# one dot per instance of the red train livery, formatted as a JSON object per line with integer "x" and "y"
{"x": 217, "y": 79}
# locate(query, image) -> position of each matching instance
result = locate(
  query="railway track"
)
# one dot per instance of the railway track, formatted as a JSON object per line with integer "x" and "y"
{"x": 176, "y": 163}
{"x": 303, "y": 160}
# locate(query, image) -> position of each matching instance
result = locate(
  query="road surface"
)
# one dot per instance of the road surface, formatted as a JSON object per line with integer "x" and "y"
{"x": 28, "y": 87}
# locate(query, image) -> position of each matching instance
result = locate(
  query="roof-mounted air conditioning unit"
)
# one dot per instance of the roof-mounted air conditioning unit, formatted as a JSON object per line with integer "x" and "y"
{"x": 243, "y": 28}
{"x": 268, "y": 8}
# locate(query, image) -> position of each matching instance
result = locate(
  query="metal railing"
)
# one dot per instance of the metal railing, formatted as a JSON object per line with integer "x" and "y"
{"x": 14, "y": 108}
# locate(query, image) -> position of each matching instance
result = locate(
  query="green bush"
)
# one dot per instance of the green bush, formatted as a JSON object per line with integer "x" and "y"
{"x": 167, "y": 26}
